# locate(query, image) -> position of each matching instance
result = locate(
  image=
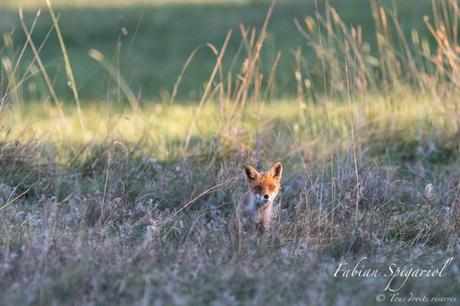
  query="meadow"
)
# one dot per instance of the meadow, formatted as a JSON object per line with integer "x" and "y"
{"x": 121, "y": 155}
{"x": 149, "y": 41}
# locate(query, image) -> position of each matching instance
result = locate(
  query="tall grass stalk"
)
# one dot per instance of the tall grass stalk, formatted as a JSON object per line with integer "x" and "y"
{"x": 41, "y": 65}
{"x": 68, "y": 66}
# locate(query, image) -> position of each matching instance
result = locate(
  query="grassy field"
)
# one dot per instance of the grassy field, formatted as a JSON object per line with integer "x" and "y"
{"x": 126, "y": 197}
{"x": 158, "y": 37}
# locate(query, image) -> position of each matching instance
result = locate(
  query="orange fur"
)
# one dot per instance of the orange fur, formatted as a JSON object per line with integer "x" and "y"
{"x": 256, "y": 205}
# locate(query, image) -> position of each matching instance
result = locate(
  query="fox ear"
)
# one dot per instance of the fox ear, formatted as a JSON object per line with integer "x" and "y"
{"x": 251, "y": 173}
{"x": 277, "y": 170}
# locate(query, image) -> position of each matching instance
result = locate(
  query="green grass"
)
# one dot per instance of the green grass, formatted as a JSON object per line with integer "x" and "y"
{"x": 160, "y": 37}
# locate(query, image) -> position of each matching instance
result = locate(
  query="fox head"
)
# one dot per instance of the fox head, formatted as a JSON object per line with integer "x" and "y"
{"x": 265, "y": 185}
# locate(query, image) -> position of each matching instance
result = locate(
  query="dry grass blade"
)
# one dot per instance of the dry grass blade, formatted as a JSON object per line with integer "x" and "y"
{"x": 207, "y": 191}
{"x": 15, "y": 198}
{"x": 132, "y": 99}
{"x": 249, "y": 75}
{"x": 271, "y": 77}
{"x": 182, "y": 72}
{"x": 68, "y": 66}
{"x": 207, "y": 89}
{"x": 353, "y": 146}
{"x": 12, "y": 84}
{"x": 40, "y": 63}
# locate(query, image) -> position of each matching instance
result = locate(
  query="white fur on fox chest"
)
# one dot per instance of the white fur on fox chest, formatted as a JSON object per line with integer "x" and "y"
{"x": 257, "y": 214}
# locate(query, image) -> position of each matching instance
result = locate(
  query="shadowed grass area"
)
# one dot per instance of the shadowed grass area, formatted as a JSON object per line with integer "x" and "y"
{"x": 150, "y": 43}
{"x": 121, "y": 3}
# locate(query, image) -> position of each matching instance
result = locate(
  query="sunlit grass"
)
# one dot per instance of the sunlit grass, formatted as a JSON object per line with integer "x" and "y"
{"x": 327, "y": 123}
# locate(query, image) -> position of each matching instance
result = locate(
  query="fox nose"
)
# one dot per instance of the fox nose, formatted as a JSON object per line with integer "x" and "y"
{"x": 266, "y": 196}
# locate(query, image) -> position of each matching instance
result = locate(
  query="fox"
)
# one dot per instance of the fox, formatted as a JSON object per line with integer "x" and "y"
{"x": 256, "y": 205}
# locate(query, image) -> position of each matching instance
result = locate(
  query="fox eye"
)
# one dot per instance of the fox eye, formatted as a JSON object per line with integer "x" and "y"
{"x": 271, "y": 187}
{"x": 258, "y": 188}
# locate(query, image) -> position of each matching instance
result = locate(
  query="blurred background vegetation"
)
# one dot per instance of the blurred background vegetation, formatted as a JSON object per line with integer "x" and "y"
{"x": 149, "y": 41}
